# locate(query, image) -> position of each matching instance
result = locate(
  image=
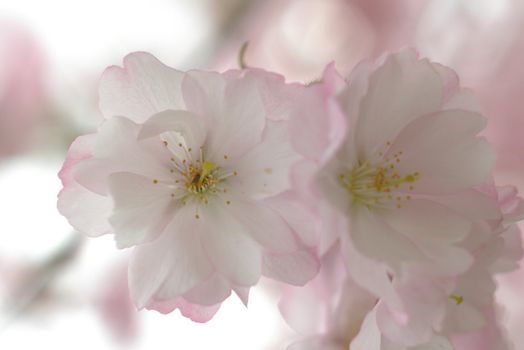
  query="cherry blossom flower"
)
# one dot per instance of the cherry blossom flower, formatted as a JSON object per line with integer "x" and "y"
{"x": 403, "y": 179}
{"x": 193, "y": 170}
{"x": 407, "y": 191}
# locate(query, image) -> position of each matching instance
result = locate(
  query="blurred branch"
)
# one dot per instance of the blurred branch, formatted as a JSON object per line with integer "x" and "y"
{"x": 27, "y": 293}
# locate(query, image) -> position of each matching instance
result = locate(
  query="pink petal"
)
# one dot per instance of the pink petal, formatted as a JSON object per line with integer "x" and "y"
{"x": 317, "y": 125}
{"x": 86, "y": 211}
{"x": 194, "y": 312}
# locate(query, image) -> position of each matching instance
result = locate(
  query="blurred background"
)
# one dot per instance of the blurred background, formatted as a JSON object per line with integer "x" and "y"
{"x": 59, "y": 289}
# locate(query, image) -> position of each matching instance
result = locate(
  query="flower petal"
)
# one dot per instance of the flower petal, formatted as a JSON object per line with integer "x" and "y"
{"x": 376, "y": 239}
{"x": 303, "y": 222}
{"x": 195, "y": 312}
{"x": 264, "y": 225}
{"x": 172, "y": 264}
{"x": 117, "y": 150}
{"x": 239, "y": 126}
{"x": 142, "y": 88}
{"x": 204, "y": 93}
{"x": 142, "y": 208}
{"x": 86, "y": 211}
{"x": 229, "y": 246}
{"x": 401, "y": 90}
{"x": 264, "y": 170}
{"x": 210, "y": 292}
{"x": 444, "y": 149}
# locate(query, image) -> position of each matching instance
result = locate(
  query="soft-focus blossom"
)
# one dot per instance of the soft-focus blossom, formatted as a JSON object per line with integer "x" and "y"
{"x": 420, "y": 226}
{"x": 192, "y": 169}
{"x": 404, "y": 175}
{"x": 21, "y": 87}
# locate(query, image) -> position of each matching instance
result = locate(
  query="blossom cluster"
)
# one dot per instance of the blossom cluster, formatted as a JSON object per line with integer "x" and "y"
{"x": 369, "y": 197}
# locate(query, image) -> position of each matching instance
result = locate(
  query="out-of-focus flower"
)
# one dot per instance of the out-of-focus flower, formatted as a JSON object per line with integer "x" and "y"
{"x": 21, "y": 87}
{"x": 420, "y": 227}
{"x": 410, "y": 158}
{"x": 192, "y": 169}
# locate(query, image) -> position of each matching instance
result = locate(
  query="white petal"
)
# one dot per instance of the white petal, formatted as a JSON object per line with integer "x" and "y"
{"x": 190, "y": 125}
{"x": 265, "y": 169}
{"x": 376, "y": 239}
{"x": 399, "y": 91}
{"x": 142, "y": 88}
{"x": 239, "y": 126}
{"x": 434, "y": 229}
{"x": 171, "y": 265}
{"x": 472, "y": 204}
{"x": 117, "y": 150}
{"x": 303, "y": 222}
{"x": 236, "y": 255}
{"x": 370, "y": 274}
{"x": 242, "y": 293}
{"x": 204, "y": 93}
{"x": 86, "y": 211}
{"x": 444, "y": 149}
{"x": 142, "y": 209}
{"x": 264, "y": 225}
{"x": 369, "y": 337}
{"x": 210, "y": 292}
{"x": 426, "y": 221}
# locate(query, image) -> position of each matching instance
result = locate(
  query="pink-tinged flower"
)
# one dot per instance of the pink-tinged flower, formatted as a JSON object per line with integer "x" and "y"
{"x": 403, "y": 179}
{"x": 21, "y": 88}
{"x": 328, "y": 312}
{"x": 192, "y": 169}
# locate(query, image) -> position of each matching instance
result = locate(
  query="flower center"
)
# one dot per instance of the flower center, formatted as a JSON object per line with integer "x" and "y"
{"x": 196, "y": 179}
{"x": 202, "y": 178}
{"x": 378, "y": 185}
